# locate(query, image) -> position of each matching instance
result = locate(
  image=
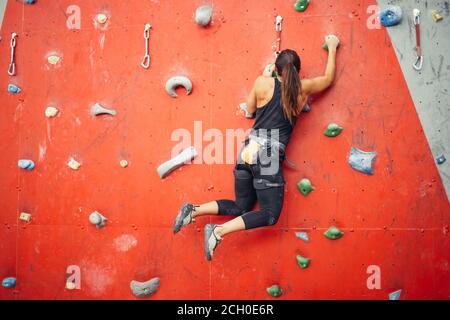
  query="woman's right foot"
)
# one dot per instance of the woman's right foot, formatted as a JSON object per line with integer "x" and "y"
{"x": 184, "y": 217}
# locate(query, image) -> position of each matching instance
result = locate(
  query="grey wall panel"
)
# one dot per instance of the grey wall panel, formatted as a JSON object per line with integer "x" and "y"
{"x": 429, "y": 88}
{"x": 2, "y": 11}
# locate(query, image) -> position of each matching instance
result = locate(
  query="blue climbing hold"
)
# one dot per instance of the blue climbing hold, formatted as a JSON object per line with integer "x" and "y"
{"x": 362, "y": 161}
{"x": 303, "y": 236}
{"x": 441, "y": 159}
{"x": 395, "y": 295}
{"x": 12, "y": 88}
{"x": 306, "y": 108}
{"x": 391, "y": 16}
{"x": 30, "y": 1}
{"x": 26, "y": 164}
{"x": 9, "y": 282}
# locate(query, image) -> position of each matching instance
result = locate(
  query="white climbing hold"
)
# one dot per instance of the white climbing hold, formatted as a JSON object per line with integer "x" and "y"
{"x": 178, "y": 81}
{"x": 144, "y": 289}
{"x": 186, "y": 156}
{"x": 51, "y": 112}
{"x": 243, "y": 107}
{"x": 73, "y": 164}
{"x": 102, "y": 18}
{"x": 123, "y": 163}
{"x": 97, "y": 109}
{"x": 25, "y": 217}
{"x": 203, "y": 15}
{"x": 97, "y": 219}
{"x": 54, "y": 59}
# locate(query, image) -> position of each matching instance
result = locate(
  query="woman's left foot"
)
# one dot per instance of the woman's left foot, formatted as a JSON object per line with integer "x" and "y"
{"x": 184, "y": 217}
{"x": 211, "y": 240}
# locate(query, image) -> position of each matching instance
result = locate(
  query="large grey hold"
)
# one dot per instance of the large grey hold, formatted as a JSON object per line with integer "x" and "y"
{"x": 203, "y": 15}
{"x": 97, "y": 109}
{"x": 97, "y": 219}
{"x": 178, "y": 81}
{"x": 145, "y": 289}
{"x": 173, "y": 164}
{"x": 362, "y": 161}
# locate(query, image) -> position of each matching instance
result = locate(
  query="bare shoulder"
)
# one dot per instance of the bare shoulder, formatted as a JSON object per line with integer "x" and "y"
{"x": 264, "y": 84}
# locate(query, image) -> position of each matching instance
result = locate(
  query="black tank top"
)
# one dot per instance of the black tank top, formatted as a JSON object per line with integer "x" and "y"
{"x": 271, "y": 117}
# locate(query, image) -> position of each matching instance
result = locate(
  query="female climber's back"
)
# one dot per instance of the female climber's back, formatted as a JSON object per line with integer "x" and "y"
{"x": 271, "y": 117}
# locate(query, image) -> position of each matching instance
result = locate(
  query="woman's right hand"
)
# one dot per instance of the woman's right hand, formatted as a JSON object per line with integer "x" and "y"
{"x": 332, "y": 41}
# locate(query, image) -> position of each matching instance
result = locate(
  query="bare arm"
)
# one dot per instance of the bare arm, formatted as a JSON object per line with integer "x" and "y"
{"x": 319, "y": 84}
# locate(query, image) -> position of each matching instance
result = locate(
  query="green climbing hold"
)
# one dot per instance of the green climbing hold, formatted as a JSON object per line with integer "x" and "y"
{"x": 333, "y": 233}
{"x": 333, "y": 130}
{"x": 305, "y": 187}
{"x": 301, "y": 5}
{"x": 275, "y": 291}
{"x": 303, "y": 262}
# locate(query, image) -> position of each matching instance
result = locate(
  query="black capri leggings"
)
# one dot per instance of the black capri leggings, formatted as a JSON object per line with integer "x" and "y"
{"x": 250, "y": 186}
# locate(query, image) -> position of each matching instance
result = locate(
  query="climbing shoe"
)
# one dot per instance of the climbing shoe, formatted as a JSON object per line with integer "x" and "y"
{"x": 211, "y": 240}
{"x": 184, "y": 217}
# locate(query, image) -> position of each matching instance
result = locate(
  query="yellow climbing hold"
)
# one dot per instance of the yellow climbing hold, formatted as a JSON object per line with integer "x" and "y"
{"x": 102, "y": 18}
{"x": 123, "y": 163}
{"x": 53, "y": 59}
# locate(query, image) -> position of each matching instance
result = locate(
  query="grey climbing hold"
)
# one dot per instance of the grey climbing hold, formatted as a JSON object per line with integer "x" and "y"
{"x": 333, "y": 130}
{"x": 243, "y": 107}
{"x": 441, "y": 159}
{"x": 395, "y": 295}
{"x": 333, "y": 233}
{"x": 97, "y": 110}
{"x": 9, "y": 282}
{"x": 178, "y": 81}
{"x": 303, "y": 262}
{"x": 167, "y": 167}
{"x": 307, "y": 108}
{"x": 12, "y": 88}
{"x": 305, "y": 187}
{"x": 51, "y": 112}
{"x": 26, "y": 164}
{"x": 203, "y": 15}
{"x": 97, "y": 219}
{"x": 145, "y": 289}
{"x": 362, "y": 161}
{"x": 275, "y": 291}
{"x": 302, "y": 235}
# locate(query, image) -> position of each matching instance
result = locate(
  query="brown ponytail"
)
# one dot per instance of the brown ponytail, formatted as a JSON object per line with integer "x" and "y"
{"x": 288, "y": 66}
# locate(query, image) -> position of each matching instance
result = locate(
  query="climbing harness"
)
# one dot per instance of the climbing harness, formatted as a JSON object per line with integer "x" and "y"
{"x": 278, "y": 29}
{"x": 12, "y": 65}
{"x": 146, "y": 61}
{"x": 419, "y": 61}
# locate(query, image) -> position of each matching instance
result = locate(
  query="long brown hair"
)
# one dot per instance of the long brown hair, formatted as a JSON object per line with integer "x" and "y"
{"x": 288, "y": 67}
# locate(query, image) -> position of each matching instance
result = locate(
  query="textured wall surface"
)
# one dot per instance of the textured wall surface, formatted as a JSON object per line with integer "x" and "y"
{"x": 430, "y": 87}
{"x": 396, "y": 219}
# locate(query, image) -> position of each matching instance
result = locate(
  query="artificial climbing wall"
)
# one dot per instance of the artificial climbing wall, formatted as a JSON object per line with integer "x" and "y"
{"x": 395, "y": 221}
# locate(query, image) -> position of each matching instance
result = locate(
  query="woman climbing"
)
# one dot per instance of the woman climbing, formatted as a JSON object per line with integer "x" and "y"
{"x": 277, "y": 101}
